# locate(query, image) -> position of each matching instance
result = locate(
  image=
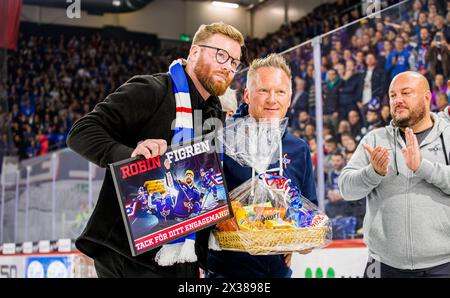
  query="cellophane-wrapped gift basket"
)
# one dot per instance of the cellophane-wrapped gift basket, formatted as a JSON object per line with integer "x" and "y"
{"x": 271, "y": 216}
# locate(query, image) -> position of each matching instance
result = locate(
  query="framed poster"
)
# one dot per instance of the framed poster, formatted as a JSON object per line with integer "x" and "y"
{"x": 172, "y": 195}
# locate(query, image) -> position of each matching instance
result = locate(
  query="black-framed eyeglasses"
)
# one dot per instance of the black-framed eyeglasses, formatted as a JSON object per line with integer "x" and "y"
{"x": 222, "y": 57}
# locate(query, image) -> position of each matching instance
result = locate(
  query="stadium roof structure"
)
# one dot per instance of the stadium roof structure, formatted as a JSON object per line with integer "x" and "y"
{"x": 95, "y": 6}
{"x": 120, "y": 6}
{"x": 250, "y": 4}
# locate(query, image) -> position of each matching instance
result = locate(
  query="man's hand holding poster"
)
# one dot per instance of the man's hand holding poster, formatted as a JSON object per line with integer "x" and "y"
{"x": 172, "y": 195}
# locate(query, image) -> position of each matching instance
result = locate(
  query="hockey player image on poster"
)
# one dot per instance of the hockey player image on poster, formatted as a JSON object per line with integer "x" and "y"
{"x": 211, "y": 182}
{"x": 169, "y": 196}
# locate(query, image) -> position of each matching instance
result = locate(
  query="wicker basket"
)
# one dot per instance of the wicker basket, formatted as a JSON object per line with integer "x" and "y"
{"x": 273, "y": 241}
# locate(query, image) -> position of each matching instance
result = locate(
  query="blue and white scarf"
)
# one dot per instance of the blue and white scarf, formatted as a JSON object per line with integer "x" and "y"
{"x": 181, "y": 250}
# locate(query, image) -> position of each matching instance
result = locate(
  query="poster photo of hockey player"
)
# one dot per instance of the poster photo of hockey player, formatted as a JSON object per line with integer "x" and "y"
{"x": 170, "y": 191}
{"x": 197, "y": 191}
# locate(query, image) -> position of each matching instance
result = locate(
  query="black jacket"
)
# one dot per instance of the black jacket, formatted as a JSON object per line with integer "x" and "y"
{"x": 142, "y": 108}
{"x": 378, "y": 82}
{"x": 330, "y": 97}
{"x": 300, "y": 105}
{"x": 350, "y": 92}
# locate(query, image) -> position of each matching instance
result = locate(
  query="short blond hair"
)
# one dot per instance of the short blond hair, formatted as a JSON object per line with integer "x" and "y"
{"x": 204, "y": 32}
{"x": 273, "y": 60}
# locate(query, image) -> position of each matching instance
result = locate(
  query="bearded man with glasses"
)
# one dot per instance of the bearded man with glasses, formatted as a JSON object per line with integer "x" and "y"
{"x": 137, "y": 119}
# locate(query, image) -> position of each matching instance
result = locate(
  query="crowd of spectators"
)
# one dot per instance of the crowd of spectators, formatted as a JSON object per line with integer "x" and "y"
{"x": 53, "y": 81}
{"x": 357, "y": 66}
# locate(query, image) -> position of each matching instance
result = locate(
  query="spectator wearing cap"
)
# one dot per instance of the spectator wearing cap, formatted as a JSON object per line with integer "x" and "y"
{"x": 374, "y": 82}
{"x": 373, "y": 118}
{"x": 398, "y": 59}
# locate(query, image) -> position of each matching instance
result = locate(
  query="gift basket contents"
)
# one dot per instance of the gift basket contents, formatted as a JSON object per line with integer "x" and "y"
{"x": 271, "y": 216}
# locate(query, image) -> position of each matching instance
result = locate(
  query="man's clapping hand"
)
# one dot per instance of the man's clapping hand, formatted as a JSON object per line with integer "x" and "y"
{"x": 379, "y": 158}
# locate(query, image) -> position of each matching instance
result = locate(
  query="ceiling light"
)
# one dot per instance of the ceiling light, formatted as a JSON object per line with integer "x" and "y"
{"x": 225, "y": 4}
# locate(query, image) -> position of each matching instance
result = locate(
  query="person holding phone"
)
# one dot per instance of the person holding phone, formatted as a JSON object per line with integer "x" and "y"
{"x": 438, "y": 56}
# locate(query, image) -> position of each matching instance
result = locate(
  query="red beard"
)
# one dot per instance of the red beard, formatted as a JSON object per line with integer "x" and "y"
{"x": 202, "y": 71}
